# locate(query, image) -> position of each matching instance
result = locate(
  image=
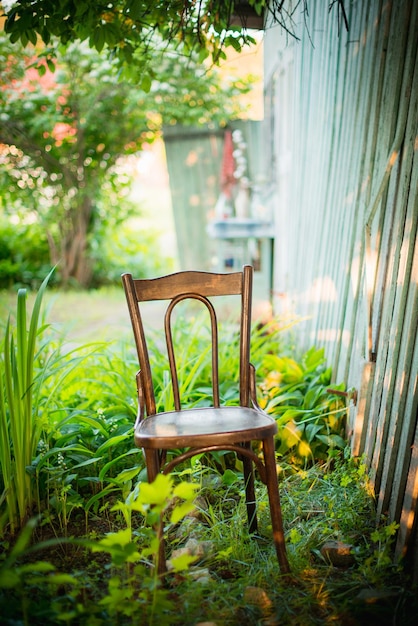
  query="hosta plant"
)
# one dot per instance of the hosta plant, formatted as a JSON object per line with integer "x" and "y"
{"x": 310, "y": 415}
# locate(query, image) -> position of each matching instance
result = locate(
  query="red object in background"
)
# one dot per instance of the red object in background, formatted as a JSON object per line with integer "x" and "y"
{"x": 228, "y": 166}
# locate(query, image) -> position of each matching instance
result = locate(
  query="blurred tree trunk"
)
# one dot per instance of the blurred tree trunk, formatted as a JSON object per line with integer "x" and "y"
{"x": 70, "y": 253}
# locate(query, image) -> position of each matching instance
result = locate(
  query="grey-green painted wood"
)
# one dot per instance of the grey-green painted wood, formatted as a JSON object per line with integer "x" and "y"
{"x": 194, "y": 160}
{"x": 194, "y": 163}
{"x": 346, "y": 211}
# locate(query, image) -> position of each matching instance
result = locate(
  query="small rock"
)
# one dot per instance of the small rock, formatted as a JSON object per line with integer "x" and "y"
{"x": 199, "y": 549}
{"x": 189, "y": 527}
{"x": 271, "y": 621}
{"x": 200, "y": 575}
{"x": 211, "y": 481}
{"x": 338, "y": 553}
{"x": 201, "y": 507}
{"x": 372, "y": 596}
{"x": 257, "y": 597}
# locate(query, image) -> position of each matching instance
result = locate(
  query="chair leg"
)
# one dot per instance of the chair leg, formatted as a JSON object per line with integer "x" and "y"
{"x": 152, "y": 461}
{"x": 275, "y": 508}
{"x": 250, "y": 494}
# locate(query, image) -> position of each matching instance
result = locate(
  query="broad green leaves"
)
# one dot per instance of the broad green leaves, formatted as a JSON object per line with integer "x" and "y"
{"x": 311, "y": 420}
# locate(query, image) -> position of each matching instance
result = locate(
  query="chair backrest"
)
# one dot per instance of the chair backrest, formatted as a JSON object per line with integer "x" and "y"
{"x": 176, "y": 288}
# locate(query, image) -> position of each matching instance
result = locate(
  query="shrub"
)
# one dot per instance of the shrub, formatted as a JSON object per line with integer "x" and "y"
{"x": 24, "y": 254}
{"x": 310, "y": 417}
{"x": 116, "y": 250}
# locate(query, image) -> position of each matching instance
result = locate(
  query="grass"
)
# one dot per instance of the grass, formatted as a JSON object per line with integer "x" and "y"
{"x": 81, "y": 316}
{"x": 238, "y": 580}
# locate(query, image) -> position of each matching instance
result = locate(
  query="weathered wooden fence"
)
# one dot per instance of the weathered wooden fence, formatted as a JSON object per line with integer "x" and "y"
{"x": 342, "y": 151}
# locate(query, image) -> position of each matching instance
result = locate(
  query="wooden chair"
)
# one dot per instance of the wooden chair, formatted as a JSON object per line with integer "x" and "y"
{"x": 204, "y": 430}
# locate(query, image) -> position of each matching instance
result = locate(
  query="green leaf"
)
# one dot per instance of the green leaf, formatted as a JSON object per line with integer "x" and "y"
{"x": 146, "y": 83}
{"x": 312, "y": 397}
{"x": 10, "y": 21}
{"x": 292, "y": 371}
{"x": 9, "y": 578}
{"x": 156, "y": 493}
{"x": 98, "y": 38}
{"x": 182, "y": 562}
{"x": 39, "y": 566}
{"x": 296, "y": 397}
{"x": 332, "y": 441}
{"x": 31, "y": 35}
{"x": 62, "y": 579}
{"x": 313, "y": 358}
{"x": 87, "y": 462}
{"x": 203, "y": 54}
{"x": 22, "y": 541}
{"x": 185, "y": 490}
{"x": 234, "y": 42}
{"x": 180, "y": 511}
{"x": 15, "y": 36}
{"x": 99, "y": 496}
{"x": 111, "y": 34}
{"x": 229, "y": 477}
{"x": 120, "y": 538}
{"x": 127, "y": 474}
{"x": 311, "y": 430}
{"x": 116, "y": 460}
{"x": 112, "y": 442}
{"x": 46, "y": 36}
{"x": 288, "y": 416}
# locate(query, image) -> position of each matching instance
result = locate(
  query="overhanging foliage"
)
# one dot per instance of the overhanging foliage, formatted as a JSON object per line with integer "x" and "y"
{"x": 129, "y": 29}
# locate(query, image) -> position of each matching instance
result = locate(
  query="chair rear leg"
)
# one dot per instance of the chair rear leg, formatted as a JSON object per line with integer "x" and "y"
{"x": 152, "y": 461}
{"x": 275, "y": 508}
{"x": 250, "y": 493}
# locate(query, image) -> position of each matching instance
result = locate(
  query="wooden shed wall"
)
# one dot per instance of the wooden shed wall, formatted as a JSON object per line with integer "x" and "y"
{"x": 193, "y": 160}
{"x": 341, "y": 148}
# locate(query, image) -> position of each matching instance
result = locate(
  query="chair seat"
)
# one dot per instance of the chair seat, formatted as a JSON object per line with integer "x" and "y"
{"x": 203, "y": 427}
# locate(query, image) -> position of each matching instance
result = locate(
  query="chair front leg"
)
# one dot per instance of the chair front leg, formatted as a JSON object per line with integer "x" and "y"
{"x": 250, "y": 492}
{"x": 152, "y": 461}
{"x": 274, "y": 500}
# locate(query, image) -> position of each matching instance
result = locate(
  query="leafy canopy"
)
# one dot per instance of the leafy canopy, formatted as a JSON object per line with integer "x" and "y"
{"x": 131, "y": 28}
{"x": 63, "y": 135}
{"x": 82, "y": 118}
{"x": 137, "y": 32}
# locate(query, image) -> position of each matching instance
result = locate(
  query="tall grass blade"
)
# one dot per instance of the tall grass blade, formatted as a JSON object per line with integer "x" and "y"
{"x": 19, "y": 426}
